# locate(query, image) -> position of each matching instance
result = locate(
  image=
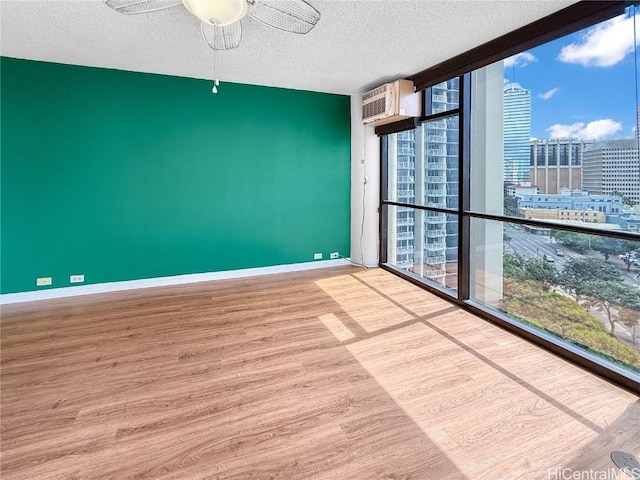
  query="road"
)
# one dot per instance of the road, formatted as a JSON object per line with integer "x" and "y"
{"x": 532, "y": 245}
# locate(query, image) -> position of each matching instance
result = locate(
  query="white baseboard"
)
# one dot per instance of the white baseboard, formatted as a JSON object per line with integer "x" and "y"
{"x": 9, "y": 298}
{"x": 368, "y": 262}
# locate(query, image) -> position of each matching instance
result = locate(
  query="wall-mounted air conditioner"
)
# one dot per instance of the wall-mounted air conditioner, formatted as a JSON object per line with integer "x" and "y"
{"x": 390, "y": 102}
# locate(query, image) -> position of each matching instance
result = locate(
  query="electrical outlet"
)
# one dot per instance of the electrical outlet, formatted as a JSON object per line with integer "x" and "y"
{"x": 76, "y": 279}
{"x": 335, "y": 255}
{"x": 317, "y": 256}
{"x": 43, "y": 281}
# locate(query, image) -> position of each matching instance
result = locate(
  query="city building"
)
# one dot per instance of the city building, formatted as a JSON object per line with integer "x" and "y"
{"x": 612, "y": 166}
{"x": 524, "y": 188}
{"x": 517, "y": 132}
{"x": 638, "y": 123}
{"x": 555, "y": 164}
{"x": 512, "y": 191}
{"x": 576, "y": 200}
{"x": 630, "y": 223}
{"x": 589, "y": 216}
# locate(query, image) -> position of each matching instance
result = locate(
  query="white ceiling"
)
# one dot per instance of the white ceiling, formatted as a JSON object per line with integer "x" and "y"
{"x": 355, "y": 46}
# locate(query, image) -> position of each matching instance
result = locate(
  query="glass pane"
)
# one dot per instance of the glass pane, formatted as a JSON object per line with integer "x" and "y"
{"x": 423, "y": 164}
{"x": 401, "y": 167}
{"x": 444, "y": 96}
{"x": 582, "y": 289}
{"x": 441, "y": 179}
{"x": 424, "y": 244}
{"x": 541, "y": 138}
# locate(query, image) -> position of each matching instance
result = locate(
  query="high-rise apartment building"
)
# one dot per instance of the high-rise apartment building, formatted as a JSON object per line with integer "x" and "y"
{"x": 426, "y": 162}
{"x": 612, "y": 166}
{"x": 556, "y": 164}
{"x": 517, "y": 132}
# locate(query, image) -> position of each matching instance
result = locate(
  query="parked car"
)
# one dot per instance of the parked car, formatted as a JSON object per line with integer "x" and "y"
{"x": 559, "y": 252}
{"x": 548, "y": 258}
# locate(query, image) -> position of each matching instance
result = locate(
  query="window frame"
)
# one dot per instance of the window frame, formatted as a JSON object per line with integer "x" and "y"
{"x": 583, "y": 15}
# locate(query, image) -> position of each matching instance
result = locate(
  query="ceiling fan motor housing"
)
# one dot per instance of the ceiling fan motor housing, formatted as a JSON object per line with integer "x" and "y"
{"x": 217, "y": 12}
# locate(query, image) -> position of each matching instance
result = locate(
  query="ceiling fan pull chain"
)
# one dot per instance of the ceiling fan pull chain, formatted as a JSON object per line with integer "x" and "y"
{"x": 216, "y": 82}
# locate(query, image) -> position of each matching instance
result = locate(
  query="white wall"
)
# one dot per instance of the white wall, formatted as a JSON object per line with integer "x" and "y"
{"x": 365, "y": 164}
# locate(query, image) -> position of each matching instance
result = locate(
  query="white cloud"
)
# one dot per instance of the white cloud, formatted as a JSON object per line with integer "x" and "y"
{"x": 519, "y": 60}
{"x": 603, "y": 45}
{"x": 548, "y": 94}
{"x": 596, "y": 130}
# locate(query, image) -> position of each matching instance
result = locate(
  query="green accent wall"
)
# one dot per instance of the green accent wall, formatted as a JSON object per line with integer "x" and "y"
{"x": 120, "y": 176}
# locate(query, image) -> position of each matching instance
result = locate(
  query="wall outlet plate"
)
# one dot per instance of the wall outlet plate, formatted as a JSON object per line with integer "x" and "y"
{"x": 335, "y": 255}
{"x": 43, "y": 281}
{"x": 76, "y": 279}
{"x": 317, "y": 256}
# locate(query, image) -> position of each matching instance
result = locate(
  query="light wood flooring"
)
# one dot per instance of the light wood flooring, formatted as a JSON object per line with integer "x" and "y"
{"x": 328, "y": 374}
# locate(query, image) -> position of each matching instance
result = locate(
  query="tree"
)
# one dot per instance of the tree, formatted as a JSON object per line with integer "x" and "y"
{"x": 631, "y": 318}
{"x": 506, "y": 238}
{"x": 579, "y": 272}
{"x": 540, "y": 271}
{"x": 626, "y": 200}
{"x": 630, "y": 252}
{"x": 513, "y": 266}
{"x": 608, "y": 246}
{"x": 609, "y": 297}
{"x": 629, "y": 315}
{"x": 525, "y": 269}
{"x": 576, "y": 241}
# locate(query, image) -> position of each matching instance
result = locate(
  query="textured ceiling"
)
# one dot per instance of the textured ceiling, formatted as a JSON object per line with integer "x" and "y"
{"x": 356, "y": 45}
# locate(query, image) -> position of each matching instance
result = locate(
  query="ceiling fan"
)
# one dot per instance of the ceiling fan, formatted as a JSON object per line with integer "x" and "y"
{"x": 220, "y": 19}
{"x": 221, "y": 27}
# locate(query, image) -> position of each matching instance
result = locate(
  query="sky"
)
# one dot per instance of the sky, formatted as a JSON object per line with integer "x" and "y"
{"x": 582, "y": 85}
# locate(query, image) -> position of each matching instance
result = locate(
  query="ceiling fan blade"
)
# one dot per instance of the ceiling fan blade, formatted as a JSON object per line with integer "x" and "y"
{"x": 295, "y": 16}
{"x": 222, "y": 38}
{"x": 131, "y": 7}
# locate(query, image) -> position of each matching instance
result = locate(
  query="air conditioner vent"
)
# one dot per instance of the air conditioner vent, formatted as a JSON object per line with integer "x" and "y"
{"x": 375, "y": 92}
{"x": 376, "y": 107}
{"x": 390, "y": 102}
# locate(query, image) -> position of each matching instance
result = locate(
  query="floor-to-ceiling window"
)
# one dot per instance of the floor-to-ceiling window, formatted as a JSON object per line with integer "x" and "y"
{"x": 518, "y": 194}
{"x": 422, "y": 192}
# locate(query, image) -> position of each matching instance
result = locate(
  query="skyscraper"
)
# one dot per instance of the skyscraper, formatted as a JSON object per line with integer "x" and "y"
{"x": 517, "y": 132}
{"x": 638, "y": 123}
{"x": 612, "y": 166}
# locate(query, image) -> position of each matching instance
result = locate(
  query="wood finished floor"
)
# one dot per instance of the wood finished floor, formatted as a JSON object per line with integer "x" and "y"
{"x": 328, "y": 374}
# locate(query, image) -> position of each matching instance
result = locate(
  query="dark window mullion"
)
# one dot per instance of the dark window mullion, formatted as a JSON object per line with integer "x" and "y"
{"x": 382, "y": 209}
{"x": 448, "y": 211}
{"x": 619, "y": 234}
{"x": 464, "y": 187}
{"x": 437, "y": 116}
